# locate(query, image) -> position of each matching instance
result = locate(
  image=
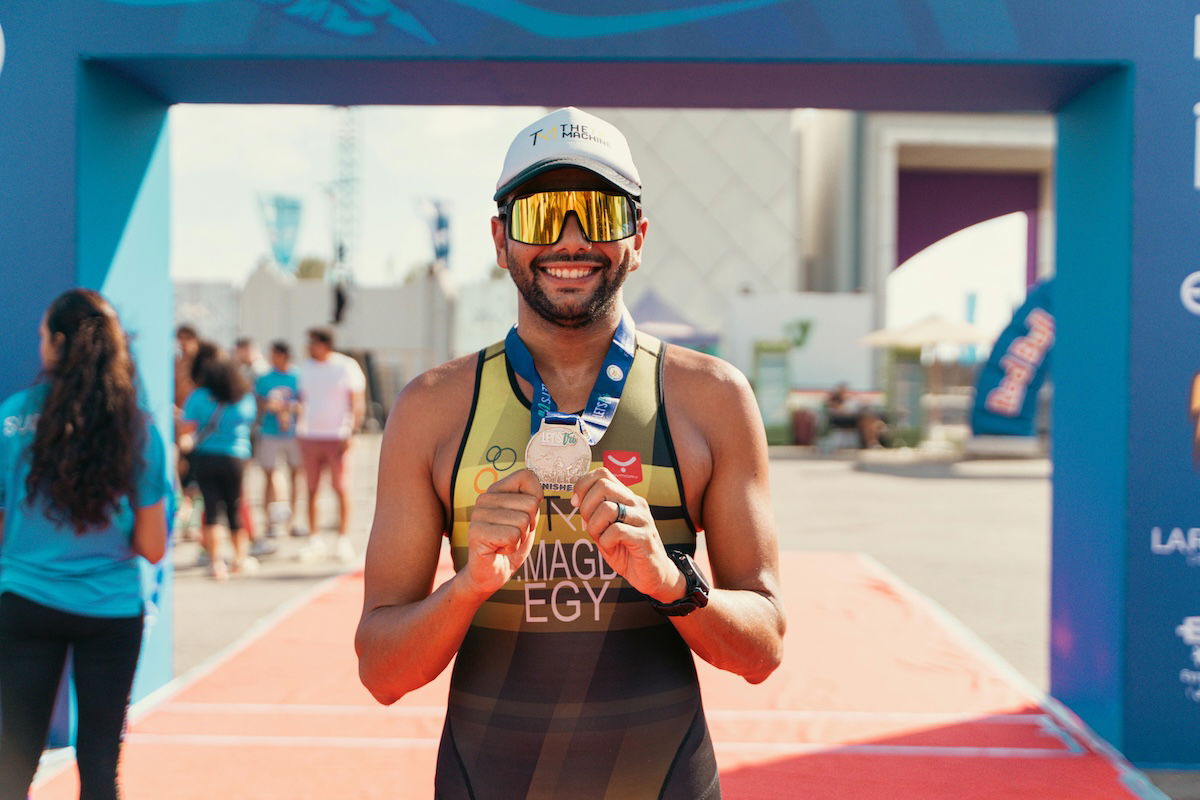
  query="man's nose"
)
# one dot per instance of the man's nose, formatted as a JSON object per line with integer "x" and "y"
{"x": 572, "y": 239}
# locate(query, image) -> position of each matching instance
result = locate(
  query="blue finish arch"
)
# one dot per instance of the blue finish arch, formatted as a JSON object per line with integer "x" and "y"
{"x": 83, "y": 200}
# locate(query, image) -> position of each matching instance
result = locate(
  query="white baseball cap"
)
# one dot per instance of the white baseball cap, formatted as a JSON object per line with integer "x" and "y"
{"x": 569, "y": 137}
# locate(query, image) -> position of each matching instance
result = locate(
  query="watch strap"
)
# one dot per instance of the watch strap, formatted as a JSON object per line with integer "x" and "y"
{"x": 695, "y": 593}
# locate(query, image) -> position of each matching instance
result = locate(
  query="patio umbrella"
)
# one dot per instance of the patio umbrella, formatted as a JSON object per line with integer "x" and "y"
{"x": 932, "y": 331}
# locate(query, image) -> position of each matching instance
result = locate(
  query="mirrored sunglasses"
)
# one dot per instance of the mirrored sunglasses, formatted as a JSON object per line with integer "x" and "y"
{"x": 538, "y": 218}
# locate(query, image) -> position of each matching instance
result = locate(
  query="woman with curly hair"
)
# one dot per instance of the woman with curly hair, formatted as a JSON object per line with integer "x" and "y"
{"x": 83, "y": 482}
{"x": 219, "y": 415}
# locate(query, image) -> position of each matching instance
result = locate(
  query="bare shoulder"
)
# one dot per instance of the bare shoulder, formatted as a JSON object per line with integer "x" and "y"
{"x": 699, "y": 380}
{"x": 450, "y": 382}
{"x": 429, "y": 418}
{"x": 435, "y": 404}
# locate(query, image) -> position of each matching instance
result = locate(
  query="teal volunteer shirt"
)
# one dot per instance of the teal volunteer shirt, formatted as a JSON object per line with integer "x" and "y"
{"x": 284, "y": 386}
{"x": 94, "y": 574}
{"x": 228, "y": 433}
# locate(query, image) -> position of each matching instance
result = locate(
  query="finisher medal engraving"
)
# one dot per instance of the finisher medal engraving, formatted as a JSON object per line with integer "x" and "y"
{"x": 559, "y": 455}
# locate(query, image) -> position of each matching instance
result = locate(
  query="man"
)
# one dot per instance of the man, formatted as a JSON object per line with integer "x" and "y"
{"x": 332, "y": 407}
{"x": 575, "y": 607}
{"x": 278, "y": 393}
{"x": 249, "y": 359}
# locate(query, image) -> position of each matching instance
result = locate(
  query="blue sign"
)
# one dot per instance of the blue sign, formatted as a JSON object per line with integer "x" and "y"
{"x": 439, "y": 232}
{"x": 281, "y": 215}
{"x": 1006, "y": 392}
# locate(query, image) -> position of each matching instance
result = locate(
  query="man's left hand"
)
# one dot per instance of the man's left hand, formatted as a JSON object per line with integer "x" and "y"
{"x": 631, "y": 547}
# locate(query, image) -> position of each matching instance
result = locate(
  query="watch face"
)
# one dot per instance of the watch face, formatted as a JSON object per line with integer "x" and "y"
{"x": 697, "y": 583}
{"x": 696, "y": 593}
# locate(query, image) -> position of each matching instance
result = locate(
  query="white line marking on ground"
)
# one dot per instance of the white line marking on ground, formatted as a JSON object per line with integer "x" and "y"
{"x": 322, "y": 742}
{"x": 775, "y": 748}
{"x": 1133, "y": 779}
{"x": 920, "y": 717}
{"x": 295, "y": 709}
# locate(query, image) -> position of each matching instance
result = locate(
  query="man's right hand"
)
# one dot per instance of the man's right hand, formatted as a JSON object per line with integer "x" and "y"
{"x": 502, "y": 530}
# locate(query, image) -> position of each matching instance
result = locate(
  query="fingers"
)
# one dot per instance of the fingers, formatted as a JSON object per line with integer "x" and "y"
{"x": 585, "y": 484}
{"x": 601, "y": 499}
{"x": 522, "y": 481}
{"x": 515, "y": 519}
{"x": 514, "y": 509}
{"x": 609, "y": 536}
{"x": 524, "y": 544}
{"x": 520, "y": 490}
{"x": 502, "y": 531}
{"x": 607, "y": 516}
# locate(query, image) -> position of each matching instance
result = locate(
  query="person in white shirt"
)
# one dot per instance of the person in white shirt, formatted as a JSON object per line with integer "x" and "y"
{"x": 332, "y": 407}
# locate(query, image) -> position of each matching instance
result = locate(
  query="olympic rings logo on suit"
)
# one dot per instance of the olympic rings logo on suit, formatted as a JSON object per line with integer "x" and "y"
{"x": 501, "y": 459}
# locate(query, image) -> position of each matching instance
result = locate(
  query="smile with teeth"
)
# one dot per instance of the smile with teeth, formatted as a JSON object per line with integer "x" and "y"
{"x": 569, "y": 273}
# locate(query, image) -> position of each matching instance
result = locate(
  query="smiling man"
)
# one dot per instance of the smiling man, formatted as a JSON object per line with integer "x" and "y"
{"x": 572, "y": 467}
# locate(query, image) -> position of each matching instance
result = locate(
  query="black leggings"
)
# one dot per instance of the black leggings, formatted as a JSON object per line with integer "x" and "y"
{"x": 33, "y": 649}
{"x": 220, "y": 481}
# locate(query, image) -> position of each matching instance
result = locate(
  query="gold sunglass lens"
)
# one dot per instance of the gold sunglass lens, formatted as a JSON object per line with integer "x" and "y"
{"x": 538, "y": 218}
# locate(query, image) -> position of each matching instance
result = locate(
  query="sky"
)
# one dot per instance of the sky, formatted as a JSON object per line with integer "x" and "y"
{"x": 223, "y": 157}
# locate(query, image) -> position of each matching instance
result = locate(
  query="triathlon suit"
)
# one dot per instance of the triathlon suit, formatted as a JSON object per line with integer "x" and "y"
{"x": 568, "y": 683}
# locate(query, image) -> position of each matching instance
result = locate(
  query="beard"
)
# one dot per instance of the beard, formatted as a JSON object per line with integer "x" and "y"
{"x": 573, "y": 312}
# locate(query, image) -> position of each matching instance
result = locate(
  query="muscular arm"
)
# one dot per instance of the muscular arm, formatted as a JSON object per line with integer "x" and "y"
{"x": 409, "y": 631}
{"x": 742, "y": 628}
{"x": 722, "y": 450}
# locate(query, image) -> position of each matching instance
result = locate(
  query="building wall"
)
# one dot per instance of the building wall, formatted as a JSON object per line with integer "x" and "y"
{"x": 823, "y": 329}
{"x": 406, "y": 329}
{"x": 828, "y": 145}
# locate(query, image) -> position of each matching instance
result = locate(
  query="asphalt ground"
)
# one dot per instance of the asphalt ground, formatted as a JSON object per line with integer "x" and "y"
{"x": 973, "y": 535}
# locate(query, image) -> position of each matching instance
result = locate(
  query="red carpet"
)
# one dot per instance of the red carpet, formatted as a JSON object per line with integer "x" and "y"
{"x": 880, "y": 696}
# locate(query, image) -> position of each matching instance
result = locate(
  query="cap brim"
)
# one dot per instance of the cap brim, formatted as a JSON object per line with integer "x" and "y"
{"x": 603, "y": 170}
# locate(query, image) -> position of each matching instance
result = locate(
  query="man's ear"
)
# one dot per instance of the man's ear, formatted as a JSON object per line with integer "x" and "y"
{"x": 639, "y": 239}
{"x": 500, "y": 240}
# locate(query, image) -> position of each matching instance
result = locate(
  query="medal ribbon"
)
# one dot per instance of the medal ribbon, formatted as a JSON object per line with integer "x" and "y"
{"x": 606, "y": 391}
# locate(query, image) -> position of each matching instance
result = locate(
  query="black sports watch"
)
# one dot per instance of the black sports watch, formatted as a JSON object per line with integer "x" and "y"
{"x": 695, "y": 595}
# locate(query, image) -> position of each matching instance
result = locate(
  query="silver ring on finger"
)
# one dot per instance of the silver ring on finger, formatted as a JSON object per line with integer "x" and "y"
{"x": 621, "y": 509}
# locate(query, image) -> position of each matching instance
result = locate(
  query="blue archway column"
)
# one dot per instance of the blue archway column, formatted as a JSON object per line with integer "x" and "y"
{"x": 86, "y": 204}
{"x": 124, "y": 252}
{"x": 1091, "y": 406}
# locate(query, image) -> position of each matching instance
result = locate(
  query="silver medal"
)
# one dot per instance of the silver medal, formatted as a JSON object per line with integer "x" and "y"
{"x": 559, "y": 455}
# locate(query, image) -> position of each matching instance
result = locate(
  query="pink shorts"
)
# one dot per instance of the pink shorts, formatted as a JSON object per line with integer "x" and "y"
{"x": 318, "y": 454}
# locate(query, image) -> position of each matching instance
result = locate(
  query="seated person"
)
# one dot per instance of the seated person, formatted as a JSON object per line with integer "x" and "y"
{"x": 842, "y": 412}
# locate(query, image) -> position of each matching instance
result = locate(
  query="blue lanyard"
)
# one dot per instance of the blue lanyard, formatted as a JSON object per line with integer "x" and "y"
{"x": 606, "y": 391}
